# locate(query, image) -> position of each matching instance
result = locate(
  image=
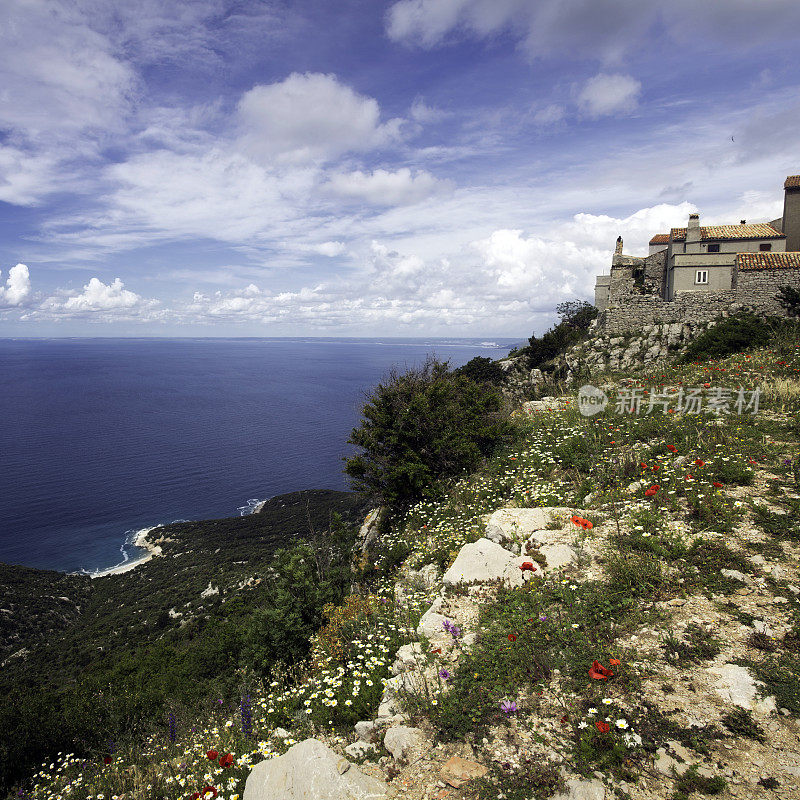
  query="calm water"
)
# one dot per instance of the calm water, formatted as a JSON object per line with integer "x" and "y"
{"x": 102, "y": 437}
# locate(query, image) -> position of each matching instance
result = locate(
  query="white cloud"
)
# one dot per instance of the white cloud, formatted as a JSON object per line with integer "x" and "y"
{"x": 606, "y": 94}
{"x": 330, "y": 249}
{"x": 603, "y": 29}
{"x": 311, "y": 116}
{"x": 98, "y": 302}
{"x": 549, "y": 115}
{"x": 382, "y": 187}
{"x": 17, "y": 288}
{"x": 25, "y": 177}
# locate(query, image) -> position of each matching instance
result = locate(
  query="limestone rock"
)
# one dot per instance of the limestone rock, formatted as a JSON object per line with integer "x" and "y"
{"x": 457, "y": 771}
{"x": 558, "y": 555}
{"x": 582, "y": 790}
{"x": 402, "y": 741}
{"x": 370, "y": 530}
{"x": 484, "y": 561}
{"x": 360, "y": 749}
{"x": 736, "y": 685}
{"x": 520, "y": 523}
{"x": 310, "y": 770}
{"x": 408, "y": 657}
{"x": 432, "y": 622}
{"x": 367, "y": 730}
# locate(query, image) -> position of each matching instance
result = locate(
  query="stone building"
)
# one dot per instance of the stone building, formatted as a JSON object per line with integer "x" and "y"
{"x": 701, "y": 271}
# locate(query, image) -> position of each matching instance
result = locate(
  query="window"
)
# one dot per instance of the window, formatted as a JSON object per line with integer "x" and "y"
{"x": 713, "y": 248}
{"x": 701, "y": 276}
{"x": 765, "y": 247}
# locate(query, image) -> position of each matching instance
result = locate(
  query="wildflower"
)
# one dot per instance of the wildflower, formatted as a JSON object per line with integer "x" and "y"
{"x": 444, "y": 674}
{"x": 226, "y": 760}
{"x": 598, "y": 672}
{"x": 698, "y": 462}
{"x": 607, "y": 701}
{"x": 614, "y": 662}
{"x": 527, "y": 566}
{"x": 512, "y": 637}
{"x": 622, "y": 724}
{"x": 717, "y": 484}
{"x": 672, "y": 448}
{"x": 583, "y": 724}
{"x": 586, "y": 525}
{"x": 576, "y": 520}
{"x": 508, "y": 707}
{"x": 592, "y": 711}
{"x": 207, "y": 790}
{"x": 212, "y": 755}
{"x": 603, "y": 727}
{"x": 652, "y": 490}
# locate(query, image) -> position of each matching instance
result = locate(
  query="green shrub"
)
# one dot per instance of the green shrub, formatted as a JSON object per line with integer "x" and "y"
{"x": 483, "y": 370}
{"x": 789, "y": 298}
{"x": 420, "y": 428}
{"x": 732, "y": 335}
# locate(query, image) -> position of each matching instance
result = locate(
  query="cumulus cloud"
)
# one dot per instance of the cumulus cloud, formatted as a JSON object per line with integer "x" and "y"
{"x": 17, "y": 288}
{"x": 383, "y": 187}
{"x": 604, "y": 29}
{"x": 605, "y": 94}
{"x": 549, "y": 115}
{"x": 98, "y": 302}
{"x": 311, "y": 116}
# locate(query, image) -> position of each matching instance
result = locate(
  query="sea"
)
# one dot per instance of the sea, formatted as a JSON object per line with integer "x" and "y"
{"x": 102, "y": 438}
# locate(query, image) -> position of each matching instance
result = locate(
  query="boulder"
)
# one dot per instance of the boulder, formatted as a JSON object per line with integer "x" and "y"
{"x": 370, "y": 530}
{"x": 582, "y": 790}
{"x": 484, "y": 561}
{"x": 736, "y": 685}
{"x": 408, "y": 657}
{"x": 558, "y": 555}
{"x": 367, "y": 730}
{"x": 431, "y": 624}
{"x": 360, "y": 749}
{"x": 457, "y": 771}
{"x": 403, "y": 742}
{"x": 520, "y": 523}
{"x": 310, "y": 770}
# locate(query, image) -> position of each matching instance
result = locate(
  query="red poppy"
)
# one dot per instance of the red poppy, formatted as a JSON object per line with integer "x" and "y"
{"x": 576, "y": 520}
{"x": 512, "y": 637}
{"x": 206, "y": 790}
{"x": 437, "y": 650}
{"x": 614, "y": 662}
{"x": 706, "y": 385}
{"x": 226, "y": 761}
{"x": 672, "y": 448}
{"x": 195, "y": 796}
{"x": 107, "y": 760}
{"x": 603, "y": 727}
{"x": 652, "y": 490}
{"x": 527, "y": 565}
{"x": 717, "y": 484}
{"x": 586, "y": 525}
{"x": 564, "y": 719}
{"x": 599, "y": 673}
{"x": 699, "y": 462}
{"x": 212, "y": 755}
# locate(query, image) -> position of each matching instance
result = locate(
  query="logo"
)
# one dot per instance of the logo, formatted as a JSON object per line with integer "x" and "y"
{"x": 591, "y": 400}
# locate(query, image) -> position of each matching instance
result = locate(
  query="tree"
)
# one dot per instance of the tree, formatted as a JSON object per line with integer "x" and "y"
{"x": 419, "y": 428}
{"x": 789, "y": 298}
{"x": 483, "y": 370}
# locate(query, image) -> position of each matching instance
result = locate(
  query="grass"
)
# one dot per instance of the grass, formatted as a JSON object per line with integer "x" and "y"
{"x": 692, "y": 782}
{"x": 699, "y": 644}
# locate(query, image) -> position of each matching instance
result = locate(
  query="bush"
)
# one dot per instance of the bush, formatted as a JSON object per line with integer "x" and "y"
{"x": 789, "y": 298}
{"x": 732, "y": 335}
{"x": 420, "y": 428}
{"x": 483, "y": 370}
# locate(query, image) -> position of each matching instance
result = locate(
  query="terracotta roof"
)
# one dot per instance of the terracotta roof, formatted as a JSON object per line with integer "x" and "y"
{"x": 792, "y": 182}
{"x": 660, "y": 238}
{"x": 768, "y": 260}
{"x": 760, "y": 230}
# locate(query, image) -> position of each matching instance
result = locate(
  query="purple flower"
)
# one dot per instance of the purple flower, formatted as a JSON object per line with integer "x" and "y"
{"x": 444, "y": 674}
{"x": 508, "y": 707}
{"x": 452, "y": 629}
{"x": 543, "y": 617}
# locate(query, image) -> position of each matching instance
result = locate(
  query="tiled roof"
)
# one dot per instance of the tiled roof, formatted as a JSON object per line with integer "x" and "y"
{"x": 792, "y": 182}
{"x": 768, "y": 260}
{"x": 760, "y": 230}
{"x": 660, "y": 238}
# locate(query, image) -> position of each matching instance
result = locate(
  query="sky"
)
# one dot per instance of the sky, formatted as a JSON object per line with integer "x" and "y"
{"x": 370, "y": 168}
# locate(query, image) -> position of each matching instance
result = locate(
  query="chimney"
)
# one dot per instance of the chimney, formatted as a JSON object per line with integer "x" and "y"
{"x": 693, "y": 229}
{"x": 618, "y": 249}
{"x": 743, "y": 222}
{"x": 791, "y": 212}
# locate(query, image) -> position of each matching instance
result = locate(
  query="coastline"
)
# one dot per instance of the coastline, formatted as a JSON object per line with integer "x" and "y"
{"x": 141, "y": 541}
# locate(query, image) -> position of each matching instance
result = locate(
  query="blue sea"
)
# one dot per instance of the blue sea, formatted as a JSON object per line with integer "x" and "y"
{"x": 100, "y": 438}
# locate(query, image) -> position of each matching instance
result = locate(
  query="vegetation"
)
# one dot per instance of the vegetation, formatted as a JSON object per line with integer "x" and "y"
{"x": 789, "y": 297}
{"x": 733, "y": 335}
{"x": 420, "y": 428}
{"x": 483, "y": 370}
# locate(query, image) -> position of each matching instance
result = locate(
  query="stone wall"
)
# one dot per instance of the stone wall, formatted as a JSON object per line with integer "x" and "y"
{"x": 755, "y": 290}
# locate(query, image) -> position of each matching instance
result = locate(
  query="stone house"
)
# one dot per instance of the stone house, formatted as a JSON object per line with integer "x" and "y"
{"x": 700, "y": 272}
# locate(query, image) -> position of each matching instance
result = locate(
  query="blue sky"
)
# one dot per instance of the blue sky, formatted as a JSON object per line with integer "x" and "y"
{"x": 421, "y": 167}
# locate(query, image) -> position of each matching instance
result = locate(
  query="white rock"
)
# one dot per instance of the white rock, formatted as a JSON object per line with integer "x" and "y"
{"x": 582, "y": 790}
{"x": 736, "y": 685}
{"x": 367, "y": 730}
{"x": 408, "y": 657}
{"x": 735, "y": 574}
{"x": 402, "y": 741}
{"x": 360, "y": 749}
{"x": 311, "y": 771}
{"x": 520, "y": 523}
{"x": 209, "y": 590}
{"x": 558, "y": 555}
{"x": 484, "y": 561}
{"x": 432, "y": 622}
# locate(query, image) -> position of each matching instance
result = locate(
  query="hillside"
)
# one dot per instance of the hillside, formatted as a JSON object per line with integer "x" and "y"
{"x": 619, "y": 618}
